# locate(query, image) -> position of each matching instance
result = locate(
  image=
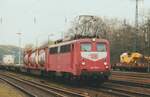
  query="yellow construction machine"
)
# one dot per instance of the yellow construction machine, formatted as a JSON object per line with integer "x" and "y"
{"x": 133, "y": 61}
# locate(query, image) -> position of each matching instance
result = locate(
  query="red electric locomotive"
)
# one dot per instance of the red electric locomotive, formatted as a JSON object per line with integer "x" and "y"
{"x": 82, "y": 59}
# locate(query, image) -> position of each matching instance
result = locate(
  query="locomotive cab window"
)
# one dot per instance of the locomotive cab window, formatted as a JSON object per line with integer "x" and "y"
{"x": 101, "y": 47}
{"x": 65, "y": 48}
{"x": 86, "y": 47}
{"x": 53, "y": 50}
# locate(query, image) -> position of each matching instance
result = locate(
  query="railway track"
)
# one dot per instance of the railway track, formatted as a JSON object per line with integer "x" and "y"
{"x": 26, "y": 93}
{"x": 40, "y": 90}
{"x": 77, "y": 88}
{"x": 131, "y": 81}
{"x": 127, "y": 85}
{"x": 132, "y": 74}
{"x": 119, "y": 92}
{"x": 116, "y": 89}
{"x": 18, "y": 87}
{"x": 129, "y": 90}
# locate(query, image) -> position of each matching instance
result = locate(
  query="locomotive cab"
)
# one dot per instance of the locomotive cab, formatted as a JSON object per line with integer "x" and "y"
{"x": 94, "y": 58}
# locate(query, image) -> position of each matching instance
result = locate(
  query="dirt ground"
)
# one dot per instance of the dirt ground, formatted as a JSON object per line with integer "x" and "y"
{"x": 7, "y": 90}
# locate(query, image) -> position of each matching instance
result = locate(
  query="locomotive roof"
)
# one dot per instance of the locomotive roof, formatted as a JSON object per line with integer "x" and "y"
{"x": 78, "y": 40}
{"x": 72, "y": 41}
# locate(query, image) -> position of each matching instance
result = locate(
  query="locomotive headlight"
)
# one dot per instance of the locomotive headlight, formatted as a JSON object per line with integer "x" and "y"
{"x": 93, "y": 39}
{"x": 83, "y": 63}
{"x": 105, "y": 63}
{"x": 107, "y": 67}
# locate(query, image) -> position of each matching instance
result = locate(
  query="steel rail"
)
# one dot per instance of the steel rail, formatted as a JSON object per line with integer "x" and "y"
{"x": 59, "y": 89}
{"x": 50, "y": 89}
{"x": 129, "y": 92}
{"x": 118, "y": 92}
{"x": 132, "y": 74}
{"x": 129, "y": 83}
{"x": 18, "y": 87}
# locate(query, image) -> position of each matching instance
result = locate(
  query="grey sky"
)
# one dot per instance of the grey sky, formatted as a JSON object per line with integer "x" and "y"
{"x": 18, "y": 16}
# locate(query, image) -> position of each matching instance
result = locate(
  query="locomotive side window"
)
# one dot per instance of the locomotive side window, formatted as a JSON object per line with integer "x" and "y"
{"x": 101, "y": 47}
{"x": 86, "y": 47}
{"x": 65, "y": 48}
{"x": 53, "y": 50}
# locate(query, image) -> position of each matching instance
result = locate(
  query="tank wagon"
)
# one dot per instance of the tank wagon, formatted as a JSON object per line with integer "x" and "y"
{"x": 8, "y": 60}
{"x": 76, "y": 59}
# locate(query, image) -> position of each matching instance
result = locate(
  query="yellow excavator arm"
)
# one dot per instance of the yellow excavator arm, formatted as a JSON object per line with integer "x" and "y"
{"x": 130, "y": 58}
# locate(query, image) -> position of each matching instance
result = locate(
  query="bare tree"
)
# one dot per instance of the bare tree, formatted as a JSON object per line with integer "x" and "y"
{"x": 119, "y": 32}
